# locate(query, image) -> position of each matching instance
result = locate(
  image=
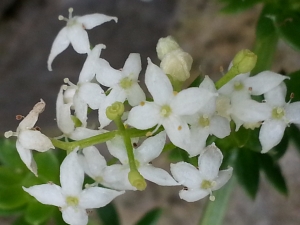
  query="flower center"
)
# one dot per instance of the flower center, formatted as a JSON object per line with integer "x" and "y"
{"x": 165, "y": 111}
{"x": 207, "y": 184}
{"x": 278, "y": 113}
{"x": 98, "y": 179}
{"x": 204, "y": 121}
{"x": 72, "y": 201}
{"x": 238, "y": 86}
{"x": 126, "y": 83}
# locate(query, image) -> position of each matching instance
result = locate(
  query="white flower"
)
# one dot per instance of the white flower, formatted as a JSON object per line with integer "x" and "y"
{"x": 29, "y": 138}
{"x": 75, "y": 33}
{"x": 206, "y": 122}
{"x": 72, "y": 200}
{"x": 280, "y": 116}
{"x": 65, "y": 122}
{"x": 201, "y": 182}
{"x": 168, "y": 106}
{"x": 117, "y": 175}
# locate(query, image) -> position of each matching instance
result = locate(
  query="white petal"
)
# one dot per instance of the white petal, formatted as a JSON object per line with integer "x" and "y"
{"x": 135, "y": 95}
{"x": 74, "y": 215}
{"x": 82, "y": 133}
{"x": 144, "y": 117}
{"x": 223, "y": 177}
{"x": 95, "y": 161}
{"x": 150, "y": 148}
{"x": 95, "y": 197}
{"x": 81, "y": 109}
{"x": 106, "y": 75}
{"x": 191, "y": 100}
{"x": 198, "y": 140}
{"x": 193, "y": 195}
{"x": 178, "y": 131}
{"x": 35, "y": 140}
{"x": 158, "y": 84}
{"x": 116, "y": 177}
{"x": 61, "y": 42}
{"x": 271, "y": 133}
{"x": 116, "y": 148}
{"x": 208, "y": 84}
{"x": 209, "y": 162}
{"x": 264, "y": 82}
{"x": 228, "y": 88}
{"x": 63, "y": 114}
{"x": 48, "y": 194}
{"x": 276, "y": 96}
{"x": 26, "y": 157}
{"x": 92, "y": 20}
{"x": 292, "y": 112}
{"x": 219, "y": 126}
{"x": 78, "y": 38}
{"x": 157, "y": 175}
{"x": 91, "y": 65}
{"x": 71, "y": 175}
{"x": 92, "y": 94}
{"x": 132, "y": 66}
{"x": 186, "y": 174}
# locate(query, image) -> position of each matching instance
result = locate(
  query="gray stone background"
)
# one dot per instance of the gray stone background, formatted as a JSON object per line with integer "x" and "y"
{"x": 28, "y": 27}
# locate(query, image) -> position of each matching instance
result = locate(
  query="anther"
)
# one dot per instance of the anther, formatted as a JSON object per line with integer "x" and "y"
{"x": 19, "y": 117}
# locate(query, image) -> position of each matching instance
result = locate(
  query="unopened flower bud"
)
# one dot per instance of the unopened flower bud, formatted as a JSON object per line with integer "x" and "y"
{"x": 166, "y": 45}
{"x": 244, "y": 61}
{"x": 177, "y": 64}
{"x": 115, "y": 110}
{"x": 136, "y": 180}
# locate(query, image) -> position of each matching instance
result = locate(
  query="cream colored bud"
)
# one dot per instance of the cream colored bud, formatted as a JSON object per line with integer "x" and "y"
{"x": 244, "y": 61}
{"x": 177, "y": 64}
{"x": 166, "y": 45}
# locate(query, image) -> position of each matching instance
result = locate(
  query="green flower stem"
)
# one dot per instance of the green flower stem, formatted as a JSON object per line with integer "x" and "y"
{"x": 227, "y": 77}
{"x": 215, "y": 210}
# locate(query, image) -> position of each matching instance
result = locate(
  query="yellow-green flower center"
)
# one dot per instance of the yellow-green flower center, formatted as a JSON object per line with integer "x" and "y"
{"x": 204, "y": 121}
{"x": 277, "y": 113}
{"x": 72, "y": 201}
{"x": 126, "y": 83}
{"x": 238, "y": 86}
{"x": 165, "y": 111}
{"x": 206, "y": 184}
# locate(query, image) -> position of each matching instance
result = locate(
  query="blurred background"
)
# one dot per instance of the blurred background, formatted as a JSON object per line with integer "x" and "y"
{"x": 28, "y": 28}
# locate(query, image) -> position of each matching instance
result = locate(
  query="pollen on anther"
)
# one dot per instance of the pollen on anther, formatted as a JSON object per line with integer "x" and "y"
{"x": 148, "y": 134}
{"x": 142, "y": 103}
{"x": 19, "y": 117}
{"x": 250, "y": 88}
{"x": 175, "y": 93}
{"x": 179, "y": 128}
{"x": 292, "y": 95}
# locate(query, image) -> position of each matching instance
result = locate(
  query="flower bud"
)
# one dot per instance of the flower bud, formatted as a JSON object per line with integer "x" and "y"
{"x": 115, "y": 110}
{"x": 244, "y": 61}
{"x": 177, "y": 64}
{"x": 166, "y": 45}
{"x": 136, "y": 180}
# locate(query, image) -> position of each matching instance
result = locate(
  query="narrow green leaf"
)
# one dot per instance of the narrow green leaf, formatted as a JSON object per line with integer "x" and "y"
{"x": 108, "y": 215}
{"x": 48, "y": 166}
{"x": 13, "y": 211}
{"x": 293, "y": 86}
{"x": 294, "y": 132}
{"x": 287, "y": 24}
{"x": 37, "y": 213}
{"x": 235, "y": 6}
{"x": 151, "y": 217}
{"x": 247, "y": 170}
{"x": 273, "y": 173}
{"x": 21, "y": 221}
{"x": 9, "y": 177}
{"x": 12, "y": 197}
{"x": 266, "y": 40}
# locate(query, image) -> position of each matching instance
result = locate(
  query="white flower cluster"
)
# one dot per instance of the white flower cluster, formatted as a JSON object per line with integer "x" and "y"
{"x": 188, "y": 117}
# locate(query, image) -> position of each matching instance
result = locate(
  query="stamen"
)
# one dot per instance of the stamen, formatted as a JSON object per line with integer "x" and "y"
{"x": 175, "y": 93}
{"x": 70, "y": 12}
{"x": 292, "y": 95}
{"x": 179, "y": 127}
{"x": 67, "y": 81}
{"x": 8, "y": 134}
{"x": 142, "y": 103}
{"x": 19, "y": 117}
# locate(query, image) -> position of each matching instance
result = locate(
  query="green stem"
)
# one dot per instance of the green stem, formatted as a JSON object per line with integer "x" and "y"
{"x": 227, "y": 77}
{"x": 215, "y": 210}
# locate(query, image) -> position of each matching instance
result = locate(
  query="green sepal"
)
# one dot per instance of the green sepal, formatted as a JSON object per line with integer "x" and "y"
{"x": 108, "y": 215}
{"x": 151, "y": 217}
{"x": 287, "y": 24}
{"x": 247, "y": 170}
{"x": 273, "y": 173}
{"x": 235, "y": 6}
{"x": 37, "y": 213}
{"x": 12, "y": 197}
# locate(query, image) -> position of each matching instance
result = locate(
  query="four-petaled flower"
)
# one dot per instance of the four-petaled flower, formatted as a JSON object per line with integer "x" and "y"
{"x": 72, "y": 200}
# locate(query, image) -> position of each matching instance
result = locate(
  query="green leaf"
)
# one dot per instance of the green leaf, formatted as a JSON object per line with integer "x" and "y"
{"x": 273, "y": 173}
{"x": 108, "y": 215}
{"x": 293, "y": 86}
{"x": 13, "y": 211}
{"x": 266, "y": 40}
{"x": 9, "y": 177}
{"x": 294, "y": 133}
{"x": 235, "y": 6}
{"x": 197, "y": 81}
{"x": 21, "y": 221}
{"x": 9, "y": 155}
{"x": 151, "y": 217}
{"x": 247, "y": 170}
{"x": 37, "y": 213}
{"x": 48, "y": 166}
{"x": 12, "y": 197}
{"x": 287, "y": 24}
